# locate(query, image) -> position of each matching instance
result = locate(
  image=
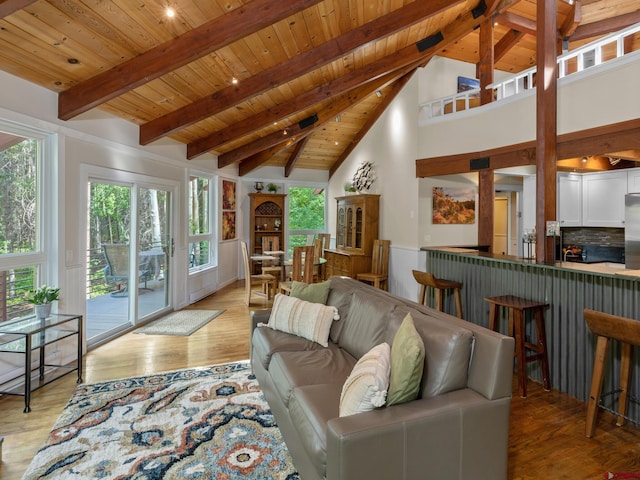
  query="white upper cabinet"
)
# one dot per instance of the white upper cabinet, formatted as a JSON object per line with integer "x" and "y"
{"x": 569, "y": 194}
{"x": 603, "y": 199}
{"x": 633, "y": 180}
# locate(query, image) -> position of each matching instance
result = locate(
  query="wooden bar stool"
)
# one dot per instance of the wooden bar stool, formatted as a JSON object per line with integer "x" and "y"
{"x": 627, "y": 332}
{"x": 517, "y": 307}
{"x": 426, "y": 279}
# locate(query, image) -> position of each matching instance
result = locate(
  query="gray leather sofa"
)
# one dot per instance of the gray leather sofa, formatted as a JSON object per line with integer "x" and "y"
{"x": 458, "y": 428}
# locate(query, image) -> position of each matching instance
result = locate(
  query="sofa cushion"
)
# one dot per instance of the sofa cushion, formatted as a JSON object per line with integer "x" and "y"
{"x": 266, "y": 341}
{"x": 310, "y": 408}
{"x": 289, "y": 370}
{"x": 447, "y": 348}
{"x": 311, "y": 292}
{"x": 366, "y": 387}
{"x": 305, "y": 319}
{"x": 407, "y": 363}
{"x": 339, "y": 297}
{"x": 366, "y": 323}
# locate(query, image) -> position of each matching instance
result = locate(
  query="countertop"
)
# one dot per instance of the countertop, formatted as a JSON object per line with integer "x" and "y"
{"x": 604, "y": 268}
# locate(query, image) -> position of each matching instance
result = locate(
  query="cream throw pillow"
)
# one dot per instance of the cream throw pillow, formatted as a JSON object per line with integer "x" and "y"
{"x": 305, "y": 319}
{"x": 366, "y": 387}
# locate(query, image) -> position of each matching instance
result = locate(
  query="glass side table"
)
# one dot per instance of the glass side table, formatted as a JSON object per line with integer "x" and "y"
{"x": 25, "y": 335}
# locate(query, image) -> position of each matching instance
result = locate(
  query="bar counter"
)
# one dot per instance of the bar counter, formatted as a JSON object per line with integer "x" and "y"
{"x": 568, "y": 288}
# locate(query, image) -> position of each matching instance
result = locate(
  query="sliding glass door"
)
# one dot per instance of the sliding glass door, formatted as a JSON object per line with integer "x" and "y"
{"x": 129, "y": 250}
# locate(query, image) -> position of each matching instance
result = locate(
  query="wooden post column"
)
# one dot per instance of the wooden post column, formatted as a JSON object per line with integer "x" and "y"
{"x": 546, "y": 125}
{"x": 486, "y": 195}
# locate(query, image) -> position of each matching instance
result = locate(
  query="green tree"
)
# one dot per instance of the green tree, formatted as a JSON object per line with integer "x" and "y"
{"x": 306, "y": 208}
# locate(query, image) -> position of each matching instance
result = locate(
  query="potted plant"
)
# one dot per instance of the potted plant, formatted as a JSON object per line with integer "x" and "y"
{"x": 349, "y": 188}
{"x": 272, "y": 187}
{"x": 42, "y": 297}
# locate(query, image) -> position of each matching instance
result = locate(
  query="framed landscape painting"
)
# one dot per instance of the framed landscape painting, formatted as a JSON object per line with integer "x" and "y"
{"x": 454, "y": 206}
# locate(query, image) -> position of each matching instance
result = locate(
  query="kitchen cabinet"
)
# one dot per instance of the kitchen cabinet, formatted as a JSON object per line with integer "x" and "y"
{"x": 603, "y": 199}
{"x": 633, "y": 180}
{"x": 569, "y": 205}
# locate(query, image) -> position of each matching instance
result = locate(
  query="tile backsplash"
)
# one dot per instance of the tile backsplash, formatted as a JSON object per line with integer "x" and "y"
{"x": 604, "y": 237}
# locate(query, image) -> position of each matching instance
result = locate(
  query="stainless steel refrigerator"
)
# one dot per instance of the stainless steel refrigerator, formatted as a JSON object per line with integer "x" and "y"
{"x": 632, "y": 230}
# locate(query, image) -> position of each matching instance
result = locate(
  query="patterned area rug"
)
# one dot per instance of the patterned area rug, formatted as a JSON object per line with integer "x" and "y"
{"x": 182, "y": 322}
{"x": 201, "y": 423}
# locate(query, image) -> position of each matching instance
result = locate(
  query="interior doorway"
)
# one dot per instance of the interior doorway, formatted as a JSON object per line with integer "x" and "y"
{"x": 501, "y": 225}
{"x": 507, "y": 222}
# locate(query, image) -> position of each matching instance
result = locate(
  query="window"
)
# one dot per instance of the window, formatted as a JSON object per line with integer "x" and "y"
{"x": 200, "y": 221}
{"x": 22, "y": 256}
{"x": 306, "y": 215}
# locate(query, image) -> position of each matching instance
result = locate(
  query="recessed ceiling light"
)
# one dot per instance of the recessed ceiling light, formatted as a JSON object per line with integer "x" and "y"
{"x": 170, "y": 12}
{"x": 234, "y": 80}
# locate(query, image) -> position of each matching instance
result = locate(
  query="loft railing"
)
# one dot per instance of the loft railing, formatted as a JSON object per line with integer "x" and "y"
{"x": 593, "y": 54}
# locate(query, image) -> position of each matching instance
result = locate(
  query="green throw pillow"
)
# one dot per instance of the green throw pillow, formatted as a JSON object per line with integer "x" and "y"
{"x": 314, "y": 292}
{"x": 407, "y": 363}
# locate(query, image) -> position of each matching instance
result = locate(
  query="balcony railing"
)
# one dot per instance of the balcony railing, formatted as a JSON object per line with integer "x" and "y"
{"x": 593, "y": 54}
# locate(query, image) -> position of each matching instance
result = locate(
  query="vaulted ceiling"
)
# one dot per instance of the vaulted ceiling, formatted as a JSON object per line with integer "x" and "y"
{"x": 294, "y": 83}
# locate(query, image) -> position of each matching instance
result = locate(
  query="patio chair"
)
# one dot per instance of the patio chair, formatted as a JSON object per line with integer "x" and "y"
{"x": 116, "y": 272}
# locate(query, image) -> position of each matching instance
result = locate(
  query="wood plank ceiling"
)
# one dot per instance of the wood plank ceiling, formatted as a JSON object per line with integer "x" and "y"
{"x": 294, "y": 83}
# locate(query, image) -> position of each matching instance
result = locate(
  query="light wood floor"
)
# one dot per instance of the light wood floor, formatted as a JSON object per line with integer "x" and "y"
{"x": 547, "y": 428}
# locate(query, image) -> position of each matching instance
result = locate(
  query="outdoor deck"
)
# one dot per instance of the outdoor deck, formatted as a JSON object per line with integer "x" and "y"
{"x": 109, "y": 312}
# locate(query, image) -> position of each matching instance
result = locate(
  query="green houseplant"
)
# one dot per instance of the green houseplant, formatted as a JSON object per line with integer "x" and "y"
{"x": 42, "y": 297}
{"x": 272, "y": 187}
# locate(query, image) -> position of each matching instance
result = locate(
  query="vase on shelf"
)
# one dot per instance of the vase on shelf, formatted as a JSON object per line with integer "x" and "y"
{"x": 258, "y": 186}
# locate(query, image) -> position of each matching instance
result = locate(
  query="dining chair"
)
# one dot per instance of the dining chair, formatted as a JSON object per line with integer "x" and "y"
{"x": 267, "y": 282}
{"x": 379, "y": 273}
{"x": 302, "y": 264}
{"x": 271, "y": 243}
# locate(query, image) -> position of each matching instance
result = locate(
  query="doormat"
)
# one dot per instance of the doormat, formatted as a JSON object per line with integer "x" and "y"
{"x": 198, "y": 423}
{"x": 182, "y": 322}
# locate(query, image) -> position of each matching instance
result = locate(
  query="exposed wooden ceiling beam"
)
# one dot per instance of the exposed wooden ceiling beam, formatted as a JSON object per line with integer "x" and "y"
{"x": 301, "y": 64}
{"x": 506, "y": 43}
{"x": 572, "y": 21}
{"x": 389, "y": 95}
{"x": 517, "y": 22}
{"x": 338, "y": 104}
{"x": 260, "y": 158}
{"x": 278, "y": 113}
{"x": 603, "y": 27}
{"x": 173, "y": 54}
{"x": 295, "y": 156}
{"x": 303, "y": 136}
{"x": 594, "y": 141}
{"x": 7, "y": 7}
{"x": 406, "y": 57}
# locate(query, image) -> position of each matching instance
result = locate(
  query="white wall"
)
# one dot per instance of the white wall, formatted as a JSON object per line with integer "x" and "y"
{"x": 391, "y": 146}
{"x": 600, "y": 96}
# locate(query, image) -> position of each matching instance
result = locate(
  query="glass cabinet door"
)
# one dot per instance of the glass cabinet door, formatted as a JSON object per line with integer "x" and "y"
{"x": 340, "y": 229}
{"x": 358, "y": 228}
{"x": 349, "y": 232}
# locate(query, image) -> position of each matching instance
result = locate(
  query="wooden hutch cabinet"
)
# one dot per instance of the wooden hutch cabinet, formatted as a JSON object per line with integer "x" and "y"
{"x": 356, "y": 229}
{"x": 267, "y": 220}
